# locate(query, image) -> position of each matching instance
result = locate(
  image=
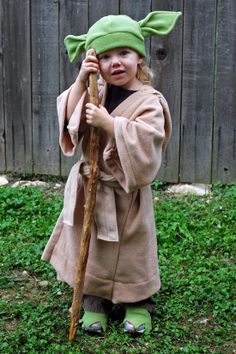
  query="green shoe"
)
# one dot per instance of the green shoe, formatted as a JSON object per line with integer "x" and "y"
{"x": 94, "y": 322}
{"x": 137, "y": 320}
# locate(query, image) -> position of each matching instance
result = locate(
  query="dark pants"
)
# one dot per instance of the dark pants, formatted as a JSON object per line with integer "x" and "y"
{"x": 98, "y": 304}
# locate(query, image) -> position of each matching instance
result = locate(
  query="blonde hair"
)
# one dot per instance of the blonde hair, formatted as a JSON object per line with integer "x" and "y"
{"x": 145, "y": 74}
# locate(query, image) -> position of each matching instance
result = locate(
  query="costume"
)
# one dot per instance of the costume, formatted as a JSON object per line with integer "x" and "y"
{"x": 122, "y": 263}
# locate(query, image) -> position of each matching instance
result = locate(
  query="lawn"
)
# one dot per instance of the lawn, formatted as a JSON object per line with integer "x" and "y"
{"x": 194, "y": 309}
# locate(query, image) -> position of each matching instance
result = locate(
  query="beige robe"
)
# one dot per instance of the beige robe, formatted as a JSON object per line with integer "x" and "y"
{"x": 122, "y": 264}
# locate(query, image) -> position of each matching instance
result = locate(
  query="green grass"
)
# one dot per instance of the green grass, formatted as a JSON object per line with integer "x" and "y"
{"x": 194, "y": 309}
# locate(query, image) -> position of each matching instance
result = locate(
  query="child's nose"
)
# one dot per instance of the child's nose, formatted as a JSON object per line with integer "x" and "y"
{"x": 115, "y": 61}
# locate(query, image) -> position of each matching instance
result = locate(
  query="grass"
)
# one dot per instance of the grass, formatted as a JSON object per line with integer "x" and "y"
{"x": 194, "y": 309}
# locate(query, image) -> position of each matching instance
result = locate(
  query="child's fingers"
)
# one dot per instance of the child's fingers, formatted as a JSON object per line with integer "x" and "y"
{"x": 91, "y": 58}
{"x": 91, "y": 66}
{"x": 90, "y": 105}
{"x": 91, "y": 69}
{"x": 89, "y": 52}
{"x": 89, "y": 114}
{"x": 88, "y": 65}
{"x": 90, "y": 110}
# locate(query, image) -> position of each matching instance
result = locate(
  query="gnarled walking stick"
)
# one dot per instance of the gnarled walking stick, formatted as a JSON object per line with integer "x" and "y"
{"x": 88, "y": 214}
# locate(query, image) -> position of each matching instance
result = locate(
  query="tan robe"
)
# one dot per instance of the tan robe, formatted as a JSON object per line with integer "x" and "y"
{"x": 122, "y": 263}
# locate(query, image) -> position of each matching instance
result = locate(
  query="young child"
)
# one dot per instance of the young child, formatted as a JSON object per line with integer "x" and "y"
{"x": 134, "y": 126}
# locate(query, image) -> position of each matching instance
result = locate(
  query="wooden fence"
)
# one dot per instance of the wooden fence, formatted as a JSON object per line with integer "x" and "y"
{"x": 195, "y": 68}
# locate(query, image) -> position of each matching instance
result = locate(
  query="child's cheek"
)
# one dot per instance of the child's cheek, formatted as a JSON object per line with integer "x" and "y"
{"x": 101, "y": 69}
{"x": 104, "y": 68}
{"x": 104, "y": 74}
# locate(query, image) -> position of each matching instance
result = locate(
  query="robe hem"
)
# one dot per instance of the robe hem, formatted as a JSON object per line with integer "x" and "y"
{"x": 112, "y": 290}
{"x": 122, "y": 292}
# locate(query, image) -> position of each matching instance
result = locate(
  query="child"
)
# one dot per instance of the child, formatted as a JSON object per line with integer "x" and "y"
{"x": 134, "y": 126}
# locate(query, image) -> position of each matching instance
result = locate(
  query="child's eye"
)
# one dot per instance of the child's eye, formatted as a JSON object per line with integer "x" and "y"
{"x": 124, "y": 52}
{"x": 103, "y": 57}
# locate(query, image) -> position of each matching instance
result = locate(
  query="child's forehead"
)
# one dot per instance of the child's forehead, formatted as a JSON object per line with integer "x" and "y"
{"x": 117, "y": 50}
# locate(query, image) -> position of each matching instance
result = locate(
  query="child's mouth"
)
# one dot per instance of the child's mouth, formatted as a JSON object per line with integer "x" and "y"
{"x": 117, "y": 72}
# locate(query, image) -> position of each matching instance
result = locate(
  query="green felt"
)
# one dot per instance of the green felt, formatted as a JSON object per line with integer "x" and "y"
{"x": 91, "y": 317}
{"x": 138, "y": 316}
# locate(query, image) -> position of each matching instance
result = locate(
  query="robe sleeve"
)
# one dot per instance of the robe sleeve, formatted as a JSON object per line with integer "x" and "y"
{"x": 70, "y": 137}
{"x": 141, "y": 141}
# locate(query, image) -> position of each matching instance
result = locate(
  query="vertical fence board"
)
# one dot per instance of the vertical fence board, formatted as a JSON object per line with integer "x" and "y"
{"x": 167, "y": 64}
{"x": 73, "y": 20}
{"x": 138, "y": 10}
{"x": 17, "y": 86}
{"x": 197, "y": 99}
{"x": 98, "y": 9}
{"x": 224, "y": 160}
{"x": 2, "y": 125}
{"x": 45, "y": 80}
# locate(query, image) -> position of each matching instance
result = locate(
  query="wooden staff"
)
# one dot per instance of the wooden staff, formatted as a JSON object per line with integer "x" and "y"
{"x": 88, "y": 213}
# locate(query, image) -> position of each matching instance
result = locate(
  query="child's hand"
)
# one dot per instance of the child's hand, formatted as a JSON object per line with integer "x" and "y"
{"x": 99, "y": 117}
{"x": 89, "y": 65}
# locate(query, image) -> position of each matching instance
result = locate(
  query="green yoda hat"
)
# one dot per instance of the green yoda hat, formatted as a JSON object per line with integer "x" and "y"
{"x": 115, "y": 31}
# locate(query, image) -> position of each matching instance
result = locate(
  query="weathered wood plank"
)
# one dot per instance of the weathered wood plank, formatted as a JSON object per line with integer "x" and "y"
{"x": 197, "y": 98}
{"x": 98, "y": 9}
{"x": 137, "y": 10}
{"x": 167, "y": 65}
{"x": 17, "y": 85}
{"x": 73, "y": 20}
{"x": 224, "y": 156}
{"x": 45, "y": 85}
{"x": 2, "y": 123}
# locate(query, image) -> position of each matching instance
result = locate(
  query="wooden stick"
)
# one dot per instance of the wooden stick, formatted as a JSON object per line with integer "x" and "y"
{"x": 88, "y": 214}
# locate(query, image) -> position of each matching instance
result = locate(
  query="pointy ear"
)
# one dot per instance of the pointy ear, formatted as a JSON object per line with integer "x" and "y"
{"x": 159, "y": 23}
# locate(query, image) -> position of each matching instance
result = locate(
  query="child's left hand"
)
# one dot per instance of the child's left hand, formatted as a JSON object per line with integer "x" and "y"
{"x": 99, "y": 117}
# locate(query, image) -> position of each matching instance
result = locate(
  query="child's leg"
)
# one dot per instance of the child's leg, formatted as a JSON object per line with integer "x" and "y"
{"x": 97, "y": 304}
{"x": 96, "y": 312}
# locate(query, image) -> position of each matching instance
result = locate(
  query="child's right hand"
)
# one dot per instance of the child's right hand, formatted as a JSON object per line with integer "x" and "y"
{"x": 89, "y": 65}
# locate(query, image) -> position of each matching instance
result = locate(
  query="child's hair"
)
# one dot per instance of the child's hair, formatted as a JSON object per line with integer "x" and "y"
{"x": 145, "y": 74}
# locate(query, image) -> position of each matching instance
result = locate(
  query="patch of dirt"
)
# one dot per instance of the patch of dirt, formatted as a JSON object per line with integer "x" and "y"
{"x": 21, "y": 286}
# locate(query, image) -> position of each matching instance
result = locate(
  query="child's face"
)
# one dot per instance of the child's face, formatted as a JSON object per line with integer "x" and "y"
{"x": 119, "y": 67}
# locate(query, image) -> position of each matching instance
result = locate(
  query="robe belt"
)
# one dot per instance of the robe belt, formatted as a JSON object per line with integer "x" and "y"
{"x": 105, "y": 210}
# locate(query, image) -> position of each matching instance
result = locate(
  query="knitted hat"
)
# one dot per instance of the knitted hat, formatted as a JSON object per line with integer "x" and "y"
{"x": 115, "y": 31}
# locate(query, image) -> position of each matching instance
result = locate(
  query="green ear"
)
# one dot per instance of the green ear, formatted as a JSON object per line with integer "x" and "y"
{"x": 75, "y": 45}
{"x": 159, "y": 23}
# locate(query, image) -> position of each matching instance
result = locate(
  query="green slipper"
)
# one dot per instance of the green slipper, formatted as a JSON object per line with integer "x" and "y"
{"x": 94, "y": 322}
{"x": 137, "y": 320}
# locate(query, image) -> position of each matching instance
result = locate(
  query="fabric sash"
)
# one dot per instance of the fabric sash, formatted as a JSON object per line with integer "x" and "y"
{"x": 105, "y": 211}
